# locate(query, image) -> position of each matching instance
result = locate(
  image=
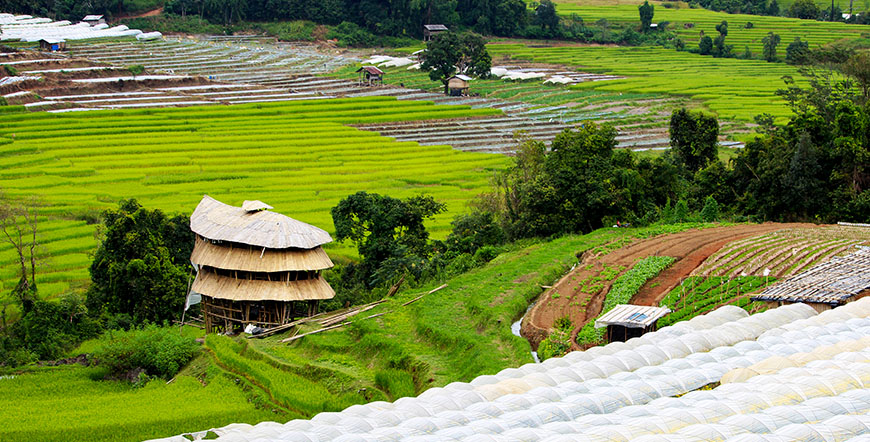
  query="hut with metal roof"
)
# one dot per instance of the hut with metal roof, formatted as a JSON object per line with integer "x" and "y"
{"x": 370, "y": 75}
{"x": 458, "y": 85}
{"x": 627, "y": 321}
{"x": 52, "y": 44}
{"x": 835, "y": 282}
{"x": 94, "y": 20}
{"x": 255, "y": 266}
{"x": 430, "y": 31}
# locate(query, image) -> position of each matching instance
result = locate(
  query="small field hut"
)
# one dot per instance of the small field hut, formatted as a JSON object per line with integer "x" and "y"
{"x": 370, "y": 75}
{"x": 627, "y": 321}
{"x": 457, "y": 85}
{"x": 835, "y": 282}
{"x": 430, "y": 31}
{"x": 52, "y": 44}
{"x": 94, "y": 20}
{"x": 255, "y": 266}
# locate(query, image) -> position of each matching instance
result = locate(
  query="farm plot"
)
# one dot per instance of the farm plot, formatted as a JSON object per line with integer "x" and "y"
{"x": 784, "y": 252}
{"x": 540, "y": 109}
{"x": 733, "y": 89}
{"x": 697, "y": 295}
{"x": 298, "y": 156}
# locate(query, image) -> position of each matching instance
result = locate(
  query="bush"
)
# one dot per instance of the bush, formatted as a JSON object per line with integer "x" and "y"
{"x": 557, "y": 344}
{"x": 160, "y": 351}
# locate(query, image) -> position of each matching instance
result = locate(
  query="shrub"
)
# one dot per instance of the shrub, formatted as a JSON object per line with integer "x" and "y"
{"x": 160, "y": 351}
{"x": 557, "y": 344}
{"x": 564, "y": 323}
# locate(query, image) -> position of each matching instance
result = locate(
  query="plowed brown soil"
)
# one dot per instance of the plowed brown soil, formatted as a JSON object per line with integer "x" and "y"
{"x": 690, "y": 248}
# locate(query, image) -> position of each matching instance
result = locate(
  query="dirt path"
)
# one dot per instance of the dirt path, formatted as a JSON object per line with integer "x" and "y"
{"x": 690, "y": 248}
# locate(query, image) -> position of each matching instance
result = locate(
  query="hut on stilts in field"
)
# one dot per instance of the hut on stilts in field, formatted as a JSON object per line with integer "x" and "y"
{"x": 254, "y": 266}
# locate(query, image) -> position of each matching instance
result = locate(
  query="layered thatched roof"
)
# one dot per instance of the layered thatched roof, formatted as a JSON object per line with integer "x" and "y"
{"x": 231, "y": 256}
{"x": 224, "y": 287}
{"x": 215, "y": 220}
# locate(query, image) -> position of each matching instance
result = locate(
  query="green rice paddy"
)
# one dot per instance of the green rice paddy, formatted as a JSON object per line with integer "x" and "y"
{"x": 301, "y": 157}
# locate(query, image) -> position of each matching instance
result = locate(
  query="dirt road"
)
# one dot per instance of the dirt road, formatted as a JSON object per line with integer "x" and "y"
{"x": 690, "y": 248}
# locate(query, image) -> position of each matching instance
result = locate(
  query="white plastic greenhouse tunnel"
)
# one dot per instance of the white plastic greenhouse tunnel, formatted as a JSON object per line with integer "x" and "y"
{"x": 29, "y": 29}
{"x": 786, "y": 374}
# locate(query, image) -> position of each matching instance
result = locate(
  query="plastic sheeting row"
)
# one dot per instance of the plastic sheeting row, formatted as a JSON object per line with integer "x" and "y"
{"x": 665, "y": 363}
{"x": 29, "y": 29}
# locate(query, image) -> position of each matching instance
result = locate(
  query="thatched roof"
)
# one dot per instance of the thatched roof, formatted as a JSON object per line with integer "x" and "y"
{"x": 231, "y": 256}
{"x": 218, "y": 221}
{"x": 224, "y": 287}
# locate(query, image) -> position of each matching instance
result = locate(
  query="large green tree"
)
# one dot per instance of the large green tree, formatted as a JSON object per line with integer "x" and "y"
{"x": 142, "y": 265}
{"x": 694, "y": 138}
{"x": 450, "y": 53}
{"x": 385, "y": 228}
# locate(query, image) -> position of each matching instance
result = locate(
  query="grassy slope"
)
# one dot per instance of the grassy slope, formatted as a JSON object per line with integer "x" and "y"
{"x": 298, "y": 156}
{"x": 451, "y": 335}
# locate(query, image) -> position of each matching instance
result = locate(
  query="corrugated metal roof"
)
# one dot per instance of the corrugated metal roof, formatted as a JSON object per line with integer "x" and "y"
{"x": 462, "y": 77}
{"x": 831, "y": 282}
{"x": 435, "y": 27}
{"x": 92, "y": 17}
{"x": 371, "y": 69}
{"x": 52, "y": 40}
{"x": 634, "y": 316}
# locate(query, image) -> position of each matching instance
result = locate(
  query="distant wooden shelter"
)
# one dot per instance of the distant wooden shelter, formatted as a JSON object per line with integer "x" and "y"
{"x": 370, "y": 75}
{"x": 457, "y": 85}
{"x": 94, "y": 20}
{"x": 627, "y": 321}
{"x": 52, "y": 44}
{"x": 430, "y": 31}
{"x": 827, "y": 285}
{"x": 255, "y": 266}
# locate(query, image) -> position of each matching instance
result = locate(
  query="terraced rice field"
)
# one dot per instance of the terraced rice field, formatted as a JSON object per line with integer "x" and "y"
{"x": 300, "y": 157}
{"x": 689, "y": 22}
{"x": 784, "y": 252}
{"x": 733, "y": 89}
{"x": 640, "y": 118}
{"x": 273, "y": 72}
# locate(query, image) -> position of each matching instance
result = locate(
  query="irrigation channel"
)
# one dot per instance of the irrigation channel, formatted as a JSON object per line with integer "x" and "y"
{"x": 515, "y": 329}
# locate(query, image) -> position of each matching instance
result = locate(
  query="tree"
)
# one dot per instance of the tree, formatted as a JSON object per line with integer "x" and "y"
{"x": 547, "y": 18}
{"x": 141, "y": 267}
{"x": 646, "y": 12}
{"x": 710, "y": 212}
{"x": 694, "y": 138}
{"x": 773, "y": 8}
{"x": 806, "y": 9}
{"x": 797, "y": 52}
{"x": 722, "y": 28}
{"x": 720, "y": 49}
{"x": 450, "y": 53}
{"x": 858, "y": 68}
{"x": 19, "y": 222}
{"x": 383, "y": 227}
{"x": 769, "y": 43}
{"x": 705, "y": 45}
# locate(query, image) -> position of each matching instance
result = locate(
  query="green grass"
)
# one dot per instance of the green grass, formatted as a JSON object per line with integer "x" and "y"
{"x": 64, "y": 403}
{"x": 301, "y": 157}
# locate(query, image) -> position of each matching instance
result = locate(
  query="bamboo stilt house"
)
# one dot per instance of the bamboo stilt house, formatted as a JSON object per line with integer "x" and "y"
{"x": 254, "y": 266}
